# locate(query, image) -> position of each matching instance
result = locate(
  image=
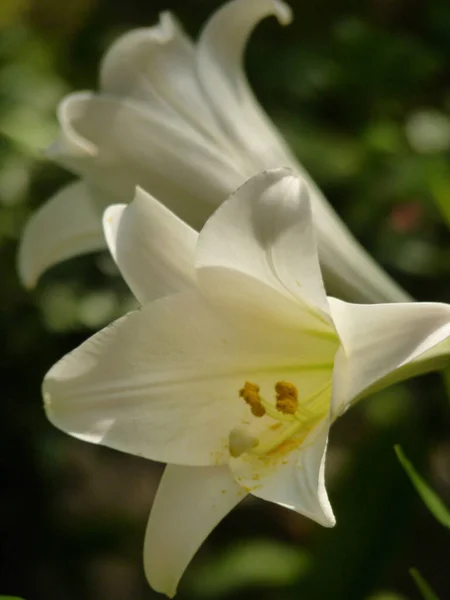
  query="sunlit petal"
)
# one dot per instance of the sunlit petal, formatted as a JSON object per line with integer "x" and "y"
{"x": 189, "y": 503}
{"x": 163, "y": 382}
{"x": 265, "y": 231}
{"x": 378, "y": 340}
{"x": 152, "y": 247}
{"x": 295, "y": 480}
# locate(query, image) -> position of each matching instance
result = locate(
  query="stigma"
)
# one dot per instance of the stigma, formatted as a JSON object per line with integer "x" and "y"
{"x": 240, "y": 441}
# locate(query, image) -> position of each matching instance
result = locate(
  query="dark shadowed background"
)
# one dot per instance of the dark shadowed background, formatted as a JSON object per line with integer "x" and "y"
{"x": 362, "y": 92}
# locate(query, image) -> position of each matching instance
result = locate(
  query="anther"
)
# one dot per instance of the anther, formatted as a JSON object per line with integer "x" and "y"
{"x": 286, "y": 397}
{"x": 250, "y": 393}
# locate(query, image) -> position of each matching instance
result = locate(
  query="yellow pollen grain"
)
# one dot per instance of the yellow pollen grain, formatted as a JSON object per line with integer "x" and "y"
{"x": 286, "y": 397}
{"x": 250, "y": 393}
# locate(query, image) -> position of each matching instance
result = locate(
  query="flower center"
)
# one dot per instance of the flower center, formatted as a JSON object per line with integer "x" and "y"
{"x": 287, "y": 420}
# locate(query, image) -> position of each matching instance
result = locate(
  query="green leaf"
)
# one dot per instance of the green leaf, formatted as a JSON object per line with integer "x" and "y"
{"x": 440, "y": 187}
{"x": 429, "y": 496}
{"x": 424, "y": 587}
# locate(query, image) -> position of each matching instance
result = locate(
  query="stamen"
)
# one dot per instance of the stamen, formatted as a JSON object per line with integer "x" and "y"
{"x": 286, "y": 397}
{"x": 294, "y": 419}
{"x": 250, "y": 393}
{"x": 294, "y": 434}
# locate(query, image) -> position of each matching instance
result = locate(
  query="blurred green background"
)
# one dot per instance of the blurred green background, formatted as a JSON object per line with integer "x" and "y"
{"x": 361, "y": 90}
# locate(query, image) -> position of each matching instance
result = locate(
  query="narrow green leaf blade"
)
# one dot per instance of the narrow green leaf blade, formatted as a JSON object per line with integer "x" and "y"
{"x": 440, "y": 188}
{"x": 423, "y": 586}
{"x": 429, "y": 496}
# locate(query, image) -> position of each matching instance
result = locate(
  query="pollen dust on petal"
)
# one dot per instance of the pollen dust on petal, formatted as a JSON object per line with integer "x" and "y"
{"x": 285, "y": 447}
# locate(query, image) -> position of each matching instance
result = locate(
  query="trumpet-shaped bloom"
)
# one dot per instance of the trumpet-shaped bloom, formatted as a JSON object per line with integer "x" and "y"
{"x": 180, "y": 121}
{"x": 234, "y": 371}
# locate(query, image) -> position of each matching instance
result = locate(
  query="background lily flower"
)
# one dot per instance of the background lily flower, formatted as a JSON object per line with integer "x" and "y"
{"x": 236, "y": 376}
{"x": 180, "y": 121}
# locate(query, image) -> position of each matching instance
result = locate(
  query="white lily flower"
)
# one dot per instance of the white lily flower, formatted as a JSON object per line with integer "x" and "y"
{"x": 180, "y": 121}
{"x": 236, "y": 376}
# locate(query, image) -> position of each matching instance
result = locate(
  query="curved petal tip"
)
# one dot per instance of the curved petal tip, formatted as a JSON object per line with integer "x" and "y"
{"x": 65, "y": 226}
{"x": 71, "y": 143}
{"x": 134, "y": 45}
{"x": 283, "y": 12}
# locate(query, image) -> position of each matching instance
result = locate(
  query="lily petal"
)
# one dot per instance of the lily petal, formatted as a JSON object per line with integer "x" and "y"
{"x": 163, "y": 382}
{"x": 118, "y": 144}
{"x": 152, "y": 247}
{"x": 349, "y": 271}
{"x": 219, "y": 60}
{"x": 438, "y": 357}
{"x": 156, "y": 65}
{"x": 380, "y": 341}
{"x": 66, "y": 225}
{"x": 189, "y": 503}
{"x": 295, "y": 480}
{"x": 264, "y": 231}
